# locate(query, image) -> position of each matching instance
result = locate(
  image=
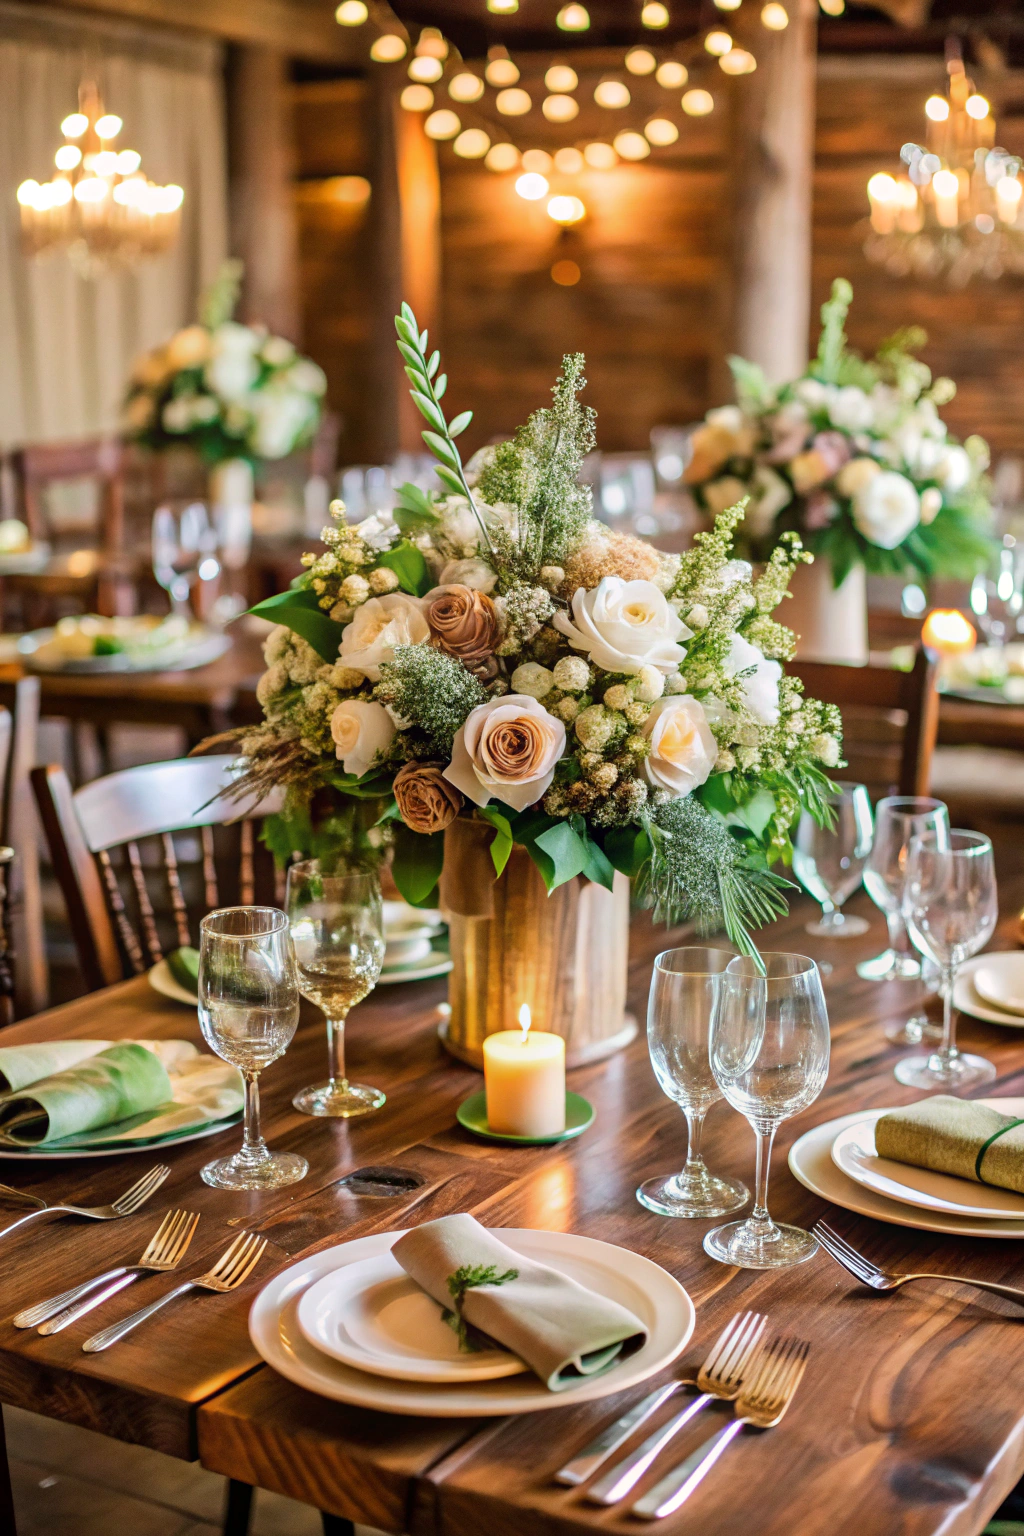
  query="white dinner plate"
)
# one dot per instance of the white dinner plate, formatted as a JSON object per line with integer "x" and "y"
{"x": 437, "y": 963}
{"x": 810, "y": 1162}
{"x": 642, "y": 1286}
{"x": 853, "y": 1151}
{"x": 162, "y": 981}
{"x": 967, "y": 1000}
{"x": 999, "y": 980}
{"x": 373, "y": 1316}
{"x": 123, "y": 1149}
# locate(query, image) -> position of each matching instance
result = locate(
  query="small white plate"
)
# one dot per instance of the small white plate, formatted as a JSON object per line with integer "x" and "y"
{"x": 999, "y": 981}
{"x": 644, "y": 1287}
{"x": 853, "y": 1151}
{"x": 966, "y": 999}
{"x": 373, "y": 1316}
{"x": 810, "y": 1162}
{"x": 437, "y": 963}
{"x": 162, "y": 981}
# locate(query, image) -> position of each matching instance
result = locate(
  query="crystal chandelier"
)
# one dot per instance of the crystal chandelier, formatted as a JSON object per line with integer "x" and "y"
{"x": 99, "y": 207}
{"x": 954, "y": 210}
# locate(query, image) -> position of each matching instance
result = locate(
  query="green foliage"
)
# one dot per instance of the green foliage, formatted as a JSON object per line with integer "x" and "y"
{"x": 299, "y": 609}
{"x": 433, "y": 690}
{"x": 414, "y": 510}
{"x": 218, "y": 302}
{"x": 467, "y": 1278}
{"x": 417, "y": 863}
{"x": 956, "y": 544}
{"x": 343, "y": 834}
{"x": 628, "y": 848}
{"x": 503, "y": 842}
{"x": 832, "y": 342}
{"x": 409, "y": 566}
{"x": 753, "y": 392}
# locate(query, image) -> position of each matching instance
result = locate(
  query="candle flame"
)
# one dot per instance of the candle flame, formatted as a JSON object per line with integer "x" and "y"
{"x": 948, "y": 632}
{"x": 525, "y": 1020}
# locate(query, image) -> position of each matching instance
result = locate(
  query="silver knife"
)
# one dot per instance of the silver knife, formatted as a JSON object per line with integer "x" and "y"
{"x": 601, "y": 1447}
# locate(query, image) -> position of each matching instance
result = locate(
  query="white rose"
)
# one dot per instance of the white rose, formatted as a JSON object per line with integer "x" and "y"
{"x": 472, "y": 572}
{"x": 683, "y": 750}
{"x": 237, "y": 339}
{"x": 931, "y": 504}
{"x": 887, "y": 509}
{"x": 277, "y": 351}
{"x": 814, "y": 393}
{"x": 381, "y": 624}
{"x": 851, "y": 409}
{"x": 231, "y": 374}
{"x": 625, "y": 625}
{"x": 378, "y": 531}
{"x": 307, "y": 377}
{"x": 761, "y": 687}
{"x": 177, "y": 414}
{"x": 855, "y": 474}
{"x": 507, "y": 750}
{"x": 953, "y": 471}
{"x": 280, "y": 418}
{"x": 360, "y": 730}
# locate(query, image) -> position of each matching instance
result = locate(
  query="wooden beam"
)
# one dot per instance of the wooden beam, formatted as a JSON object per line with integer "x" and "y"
{"x": 300, "y": 29}
{"x": 419, "y": 188}
{"x": 384, "y": 377}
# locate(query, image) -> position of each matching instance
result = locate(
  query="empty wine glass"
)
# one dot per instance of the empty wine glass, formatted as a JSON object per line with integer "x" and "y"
{"x": 184, "y": 550}
{"x": 899, "y": 818}
{"x": 829, "y": 861}
{"x": 996, "y": 595}
{"x": 769, "y": 1055}
{"x": 951, "y": 904}
{"x": 248, "y": 1013}
{"x": 683, "y": 990}
{"x": 337, "y": 932}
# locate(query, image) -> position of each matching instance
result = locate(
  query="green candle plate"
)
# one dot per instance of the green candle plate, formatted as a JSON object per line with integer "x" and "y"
{"x": 472, "y": 1116}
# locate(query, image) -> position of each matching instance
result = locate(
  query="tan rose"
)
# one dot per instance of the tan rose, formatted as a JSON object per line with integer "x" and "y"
{"x": 426, "y": 801}
{"x": 464, "y": 623}
{"x": 507, "y": 750}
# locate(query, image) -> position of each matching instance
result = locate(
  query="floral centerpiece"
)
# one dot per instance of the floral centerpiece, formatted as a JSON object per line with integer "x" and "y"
{"x": 227, "y": 390}
{"x": 496, "y": 653}
{"x": 853, "y": 456}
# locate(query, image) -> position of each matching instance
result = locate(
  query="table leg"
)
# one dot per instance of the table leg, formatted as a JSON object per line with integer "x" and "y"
{"x": 6, "y": 1495}
{"x": 337, "y": 1525}
{"x": 237, "y": 1509}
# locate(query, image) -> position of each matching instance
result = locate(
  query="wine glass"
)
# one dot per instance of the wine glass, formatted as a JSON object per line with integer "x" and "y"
{"x": 184, "y": 550}
{"x": 337, "y": 932}
{"x": 950, "y": 904}
{"x": 248, "y": 1013}
{"x": 683, "y": 990}
{"x": 898, "y": 818}
{"x": 769, "y": 1055}
{"x": 996, "y": 594}
{"x": 829, "y": 861}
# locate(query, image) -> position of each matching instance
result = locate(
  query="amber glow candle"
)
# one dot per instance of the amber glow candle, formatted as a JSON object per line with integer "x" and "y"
{"x": 946, "y": 631}
{"x": 524, "y": 1074}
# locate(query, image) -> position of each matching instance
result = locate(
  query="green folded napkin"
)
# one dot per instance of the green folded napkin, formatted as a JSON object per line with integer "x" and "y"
{"x": 955, "y": 1136}
{"x": 564, "y": 1332}
{"x": 113, "y": 1085}
{"x": 183, "y": 965}
{"x": 24, "y": 1064}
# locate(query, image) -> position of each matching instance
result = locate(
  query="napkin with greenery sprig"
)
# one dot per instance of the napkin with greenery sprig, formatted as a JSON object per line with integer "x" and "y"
{"x": 957, "y": 1136}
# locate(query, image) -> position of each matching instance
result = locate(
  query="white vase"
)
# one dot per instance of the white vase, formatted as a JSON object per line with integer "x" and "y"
{"x": 231, "y": 483}
{"x": 831, "y": 623}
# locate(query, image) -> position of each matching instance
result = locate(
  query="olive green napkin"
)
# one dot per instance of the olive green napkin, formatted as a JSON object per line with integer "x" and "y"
{"x": 183, "y": 965}
{"x": 564, "y": 1332}
{"x": 24, "y": 1064}
{"x": 113, "y": 1085}
{"x": 955, "y": 1136}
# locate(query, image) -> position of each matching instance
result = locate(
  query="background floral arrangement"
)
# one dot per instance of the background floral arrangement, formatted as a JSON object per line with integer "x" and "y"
{"x": 854, "y": 456}
{"x": 497, "y": 652}
{"x": 227, "y": 390}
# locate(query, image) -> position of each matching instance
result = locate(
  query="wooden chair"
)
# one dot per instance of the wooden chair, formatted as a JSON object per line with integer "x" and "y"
{"x": 137, "y": 859}
{"x": 890, "y": 720}
{"x": 19, "y": 830}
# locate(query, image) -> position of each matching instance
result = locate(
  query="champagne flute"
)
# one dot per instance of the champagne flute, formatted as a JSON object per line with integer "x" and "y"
{"x": 683, "y": 990}
{"x": 898, "y": 819}
{"x": 829, "y": 861}
{"x": 951, "y": 905}
{"x": 769, "y": 1055}
{"x": 248, "y": 1013}
{"x": 337, "y": 933}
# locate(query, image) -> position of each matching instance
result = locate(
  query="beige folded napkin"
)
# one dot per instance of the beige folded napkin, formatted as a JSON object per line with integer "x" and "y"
{"x": 955, "y": 1136}
{"x": 563, "y": 1331}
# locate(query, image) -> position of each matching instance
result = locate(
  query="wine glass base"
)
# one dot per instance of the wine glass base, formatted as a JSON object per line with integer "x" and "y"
{"x": 777, "y": 1249}
{"x": 338, "y": 1100}
{"x": 964, "y": 1071}
{"x": 847, "y": 928}
{"x": 274, "y": 1171}
{"x": 677, "y": 1195}
{"x": 914, "y": 1031}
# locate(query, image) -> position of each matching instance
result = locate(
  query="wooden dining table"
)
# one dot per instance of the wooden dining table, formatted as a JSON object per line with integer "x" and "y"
{"x": 910, "y": 1418}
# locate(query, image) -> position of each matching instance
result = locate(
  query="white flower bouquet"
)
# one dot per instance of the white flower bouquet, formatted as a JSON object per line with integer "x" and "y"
{"x": 227, "y": 390}
{"x": 496, "y": 653}
{"x": 853, "y": 456}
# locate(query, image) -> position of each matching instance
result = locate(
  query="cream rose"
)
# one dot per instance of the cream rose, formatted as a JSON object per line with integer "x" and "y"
{"x": 507, "y": 750}
{"x": 683, "y": 750}
{"x": 854, "y": 476}
{"x": 381, "y": 624}
{"x": 471, "y": 572}
{"x": 625, "y": 625}
{"x": 190, "y": 348}
{"x": 360, "y": 730}
{"x": 760, "y": 679}
{"x": 887, "y": 509}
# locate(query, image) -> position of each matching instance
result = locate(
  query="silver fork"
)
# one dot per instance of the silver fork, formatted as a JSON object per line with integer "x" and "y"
{"x": 125, "y": 1205}
{"x": 231, "y": 1270}
{"x": 721, "y": 1376}
{"x": 877, "y": 1279}
{"x": 165, "y": 1250}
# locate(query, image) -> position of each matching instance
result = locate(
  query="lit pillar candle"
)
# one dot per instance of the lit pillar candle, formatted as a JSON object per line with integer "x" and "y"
{"x": 948, "y": 632}
{"x": 524, "y": 1074}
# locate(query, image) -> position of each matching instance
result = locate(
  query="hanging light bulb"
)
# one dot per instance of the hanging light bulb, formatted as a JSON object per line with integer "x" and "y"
{"x": 661, "y": 131}
{"x": 67, "y": 157}
{"x": 631, "y": 146}
{"x": 465, "y": 87}
{"x": 655, "y": 15}
{"x": 641, "y": 61}
{"x": 500, "y": 69}
{"x": 443, "y": 124}
{"x": 600, "y": 157}
{"x": 936, "y": 108}
{"x": 573, "y": 18}
{"x": 833, "y": 7}
{"x": 737, "y": 62}
{"x": 612, "y": 94}
{"x": 351, "y": 13}
{"x": 718, "y": 43}
{"x": 532, "y": 187}
{"x": 472, "y": 144}
{"x": 569, "y": 161}
{"x": 109, "y": 125}
{"x": 566, "y": 210}
{"x": 672, "y": 74}
{"x": 727, "y": 5}
{"x": 560, "y": 109}
{"x": 388, "y": 48}
{"x": 698, "y": 103}
{"x": 775, "y": 16}
{"x": 561, "y": 78}
{"x": 502, "y": 157}
{"x": 431, "y": 44}
{"x": 417, "y": 98}
{"x": 977, "y": 107}
{"x": 514, "y": 102}
{"x": 74, "y": 125}
{"x": 537, "y": 160}
{"x": 425, "y": 70}
{"x": 503, "y": 7}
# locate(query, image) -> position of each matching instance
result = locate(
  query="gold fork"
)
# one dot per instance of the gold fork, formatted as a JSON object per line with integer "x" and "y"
{"x": 165, "y": 1250}
{"x": 722, "y": 1376}
{"x": 231, "y": 1270}
{"x": 762, "y": 1402}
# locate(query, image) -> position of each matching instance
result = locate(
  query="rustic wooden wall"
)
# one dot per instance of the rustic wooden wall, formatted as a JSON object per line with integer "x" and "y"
{"x": 650, "y": 310}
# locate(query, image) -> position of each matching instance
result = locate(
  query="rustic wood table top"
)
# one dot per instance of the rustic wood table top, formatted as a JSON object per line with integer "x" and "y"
{"x": 910, "y": 1417}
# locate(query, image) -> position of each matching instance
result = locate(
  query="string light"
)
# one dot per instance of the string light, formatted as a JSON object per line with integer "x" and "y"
{"x": 569, "y": 161}
{"x": 465, "y": 87}
{"x": 565, "y": 273}
{"x": 833, "y": 7}
{"x": 443, "y": 124}
{"x": 600, "y": 157}
{"x": 351, "y": 13}
{"x": 537, "y": 160}
{"x": 561, "y": 78}
{"x": 661, "y": 131}
{"x": 612, "y": 94}
{"x": 500, "y": 70}
{"x": 514, "y": 102}
{"x": 737, "y": 62}
{"x": 109, "y": 125}
{"x": 503, "y": 7}
{"x": 425, "y": 69}
{"x": 417, "y": 98}
{"x": 67, "y": 157}
{"x": 655, "y": 15}
{"x": 431, "y": 44}
{"x": 388, "y": 48}
{"x": 672, "y": 74}
{"x": 641, "y": 61}
{"x": 977, "y": 107}
{"x": 502, "y": 157}
{"x": 74, "y": 125}
{"x": 573, "y": 18}
{"x": 532, "y": 186}
{"x": 560, "y": 109}
{"x": 698, "y": 103}
{"x": 727, "y": 5}
{"x": 936, "y": 108}
{"x": 472, "y": 144}
{"x": 775, "y": 16}
{"x": 631, "y": 146}
{"x": 566, "y": 210}
{"x": 718, "y": 43}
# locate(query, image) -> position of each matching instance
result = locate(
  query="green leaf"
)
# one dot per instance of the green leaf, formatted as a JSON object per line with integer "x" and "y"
{"x": 460, "y": 423}
{"x": 716, "y": 794}
{"x": 301, "y": 612}
{"x": 628, "y": 849}
{"x": 409, "y": 566}
{"x": 411, "y": 356}
{"x": 440, "y": 386}
{"x": 416, "y": 378}
{"x": 566, "y": 850}
{"x": 427, "y": 408}
{"x": 417, "y": 863}
{"x": 449, "y": 478}
{"x": 598, "y": 867}
{"x": 501, "y": 847}
{"x": 441, "y": 447}
{"x": 371, "y": 785}
{"x": 435, "y": 358}
{"x": 755, "y": 813}
{"x": 414, "y": 509}
{"x": 389, "y": 813}
{"x": 423, "y": 341}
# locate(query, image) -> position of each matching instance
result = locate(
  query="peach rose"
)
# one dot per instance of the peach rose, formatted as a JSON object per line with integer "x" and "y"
{"x": 426, "y": 801}
{"x": 507, "y": 750}
{"x": 464, "y": 623}
{"x": 361, "y": 729}
{"x": 683, "y": 750}
{"x": 380, "y": 625}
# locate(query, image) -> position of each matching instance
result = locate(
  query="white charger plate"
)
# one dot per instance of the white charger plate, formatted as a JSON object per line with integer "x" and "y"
{"x": 162, "y": 981}
{"x": 967, "y": 1000}
{"x": 438, "y": 963}
{"x": 373, "y": 1316}
{"x": 810, "y": 1162}
{"x": 853, "y": 1152}
{"x": 648, "y": 1290}
{"x": 999, "y": 981}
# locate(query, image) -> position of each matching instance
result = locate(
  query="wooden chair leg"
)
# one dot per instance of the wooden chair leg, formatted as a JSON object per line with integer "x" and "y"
{"x": 237, "y": 1509}
{"x": 337, "y": 1525}
{"x": 6, "y": 1494}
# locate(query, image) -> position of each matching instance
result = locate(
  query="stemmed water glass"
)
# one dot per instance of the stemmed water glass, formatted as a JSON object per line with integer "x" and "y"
{"x": 829, "y": 861}
{"x": 183, "y": 547}
{"x": 898, "y": 819}
{"x": 769, "y": 1055}
{"x": 248, "y": 1013}
{"x": 337, "y": 932}
{"x": 950, "y": 904}
{"x": 683, "y": 990}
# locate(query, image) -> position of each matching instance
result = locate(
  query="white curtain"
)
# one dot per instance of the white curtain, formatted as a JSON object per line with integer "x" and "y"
{"x": 67, "y": 343}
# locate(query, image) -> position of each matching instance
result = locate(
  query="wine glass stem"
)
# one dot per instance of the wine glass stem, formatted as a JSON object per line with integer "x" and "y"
{"x": 695, "y": 1168}
{"x": 336, "y": 1051}
{"x": 253, "y": 1144}
{"x": 947, "y": 1050}
{"x": 899, "y": 943}
{"x": 759, "y": 1219}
